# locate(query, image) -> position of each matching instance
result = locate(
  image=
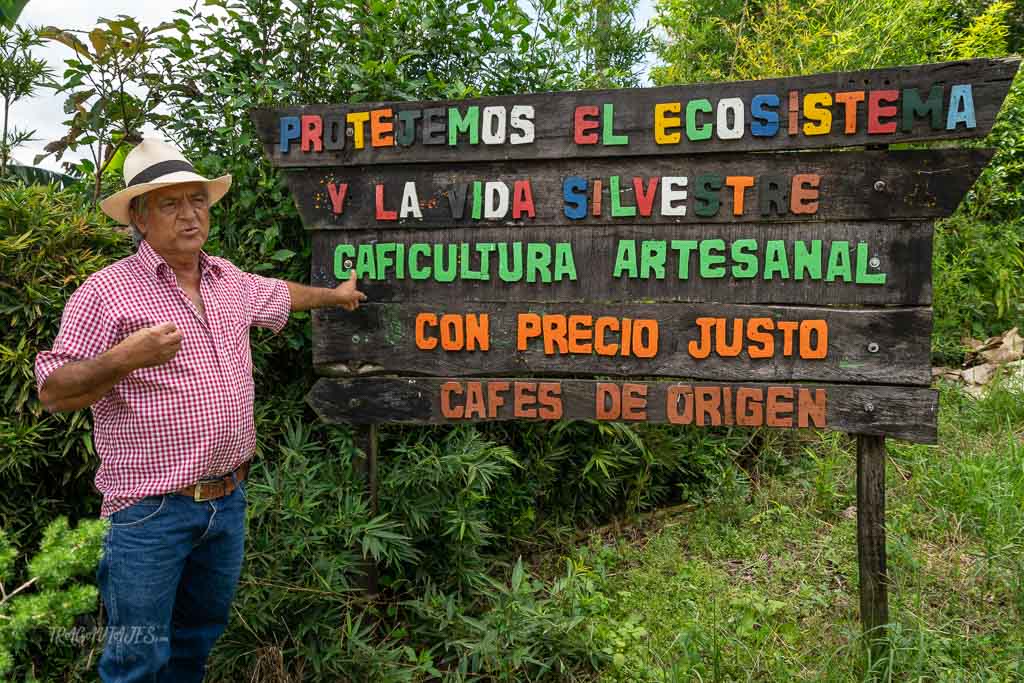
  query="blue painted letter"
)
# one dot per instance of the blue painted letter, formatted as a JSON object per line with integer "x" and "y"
{"x": 766, "y": 121}
{"x": 961, "y": 107}
{"x": 289, "y": 131}
{"x": 574, "y": 190}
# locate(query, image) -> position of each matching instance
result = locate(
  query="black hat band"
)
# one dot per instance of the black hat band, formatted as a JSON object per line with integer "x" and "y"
{"x": 161, "y": 169}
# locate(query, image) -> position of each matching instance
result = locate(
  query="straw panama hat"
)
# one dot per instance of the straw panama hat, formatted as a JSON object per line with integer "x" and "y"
{"x": 151, "y": 164}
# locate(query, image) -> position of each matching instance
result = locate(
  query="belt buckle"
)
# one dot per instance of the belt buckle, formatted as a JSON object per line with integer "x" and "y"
{"x": 198, "y": 495}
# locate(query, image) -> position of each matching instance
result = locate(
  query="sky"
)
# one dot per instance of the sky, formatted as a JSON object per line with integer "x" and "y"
{"x": 44, "y": 113}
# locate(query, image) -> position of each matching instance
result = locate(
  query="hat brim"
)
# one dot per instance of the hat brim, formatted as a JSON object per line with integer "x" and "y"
{"x": 116, "y": 205}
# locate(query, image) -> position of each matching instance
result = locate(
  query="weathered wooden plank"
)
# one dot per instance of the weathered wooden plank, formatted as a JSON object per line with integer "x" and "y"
{"x": 809, "y": 186}
{"x": 581, "y": 265}
{"x": 869, "y": 346}
{"x": 790, "y": 113}
{"x": 874, "y": 580}
{"x": 367, "y": 440}
{"x": 901, "y": 412}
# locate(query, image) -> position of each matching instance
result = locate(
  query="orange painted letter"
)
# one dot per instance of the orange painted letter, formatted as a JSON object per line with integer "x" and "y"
{"x": 580, "y": 332}
{"x": 528, "y": 325}
{"x": 381, "y": 128}
{"x": 452, "y": 333}
{"x": 708, "y": 402}
{"x": 495, "y": 400}
{"x": 850, "y": 100}
{"x": 811, "y": 410}
{"x": 676, "y": 393}
{"x": 803, "y": 196}
{"x": 779, "y": 411}
{"x": 608, "y": 404}
{"x": 739, "y": 185}
{"x": 703, "y": 348}
{"x": 757, "y": 336}
{"x": 478, "y": 331}
{"x": 422, "y": 340}
{"x": 605, "y": 323}
{"x": 447, "y": 409}
{"x": 550, "y": 396}
{"x": 819, "y": 328}
{"x": 748, "y": 407}
{"x": 634, "y": 401}
{"x": 556, "y": 329}
{"x": 525, "y": 399}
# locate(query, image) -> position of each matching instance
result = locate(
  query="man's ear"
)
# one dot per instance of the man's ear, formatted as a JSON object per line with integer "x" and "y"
{"x": 133, "y": 219}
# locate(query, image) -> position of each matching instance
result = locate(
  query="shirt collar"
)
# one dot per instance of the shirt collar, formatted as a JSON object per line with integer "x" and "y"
{"x": 155, "y": 263}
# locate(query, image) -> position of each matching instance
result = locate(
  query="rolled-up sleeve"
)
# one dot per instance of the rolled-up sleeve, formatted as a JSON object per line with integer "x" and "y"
{"x": 87, "y": 329}
{"x": 269, "y": 302}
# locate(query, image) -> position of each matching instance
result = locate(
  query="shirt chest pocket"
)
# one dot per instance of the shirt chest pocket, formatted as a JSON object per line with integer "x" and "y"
{"x": 238, "y": 342}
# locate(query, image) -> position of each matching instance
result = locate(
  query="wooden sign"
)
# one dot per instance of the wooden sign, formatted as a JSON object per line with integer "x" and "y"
{"x": 901, "y": 412}
{"x": 675, "y": 233}
{"x": 882, "y": 106}
{"x": 783, "y": 263}
{"x": 703, "y": 341}
{"x": 662, "y": 255}
{"x": 753, "y": 188}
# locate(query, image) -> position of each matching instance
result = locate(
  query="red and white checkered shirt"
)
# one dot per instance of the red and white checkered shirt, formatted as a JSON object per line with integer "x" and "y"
{"x": 169, "y": 426}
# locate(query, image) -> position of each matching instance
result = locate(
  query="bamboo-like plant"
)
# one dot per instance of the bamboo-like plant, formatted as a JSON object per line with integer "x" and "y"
{"x": 21, "y": 74}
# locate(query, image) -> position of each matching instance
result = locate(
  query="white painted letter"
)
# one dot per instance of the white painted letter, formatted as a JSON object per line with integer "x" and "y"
{"x": 671, "y": 192}
{"x": 522, "y": 124}
{"x": 410, "y": 202}
{"x": 495, "y": 190}
{"x": 727, "y": 131}
{"x": 489, "y": 133}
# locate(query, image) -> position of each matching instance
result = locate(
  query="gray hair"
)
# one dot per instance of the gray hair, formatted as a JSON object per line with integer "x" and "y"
{"x": 138, "y": 205}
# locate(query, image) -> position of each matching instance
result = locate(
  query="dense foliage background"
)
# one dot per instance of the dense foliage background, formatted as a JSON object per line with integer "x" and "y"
{"x": 477, "y": 526}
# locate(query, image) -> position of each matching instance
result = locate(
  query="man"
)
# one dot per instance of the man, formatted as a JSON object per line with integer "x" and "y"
{"x": 158, "y": 345}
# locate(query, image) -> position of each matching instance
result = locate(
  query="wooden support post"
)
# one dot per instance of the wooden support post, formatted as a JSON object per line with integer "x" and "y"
{"x": 365, "y": 437}
{"x": 874, "y": 593}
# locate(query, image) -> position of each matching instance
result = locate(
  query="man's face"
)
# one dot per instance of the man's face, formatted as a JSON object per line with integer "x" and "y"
{"x": 176, "y": 220}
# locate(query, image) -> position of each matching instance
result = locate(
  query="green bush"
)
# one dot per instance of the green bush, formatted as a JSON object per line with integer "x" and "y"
{"x": 49, "y": 244}
{"x": 979, "y": 252}
{"x": 45, "y": 604}
{"x": 452, "y": 604}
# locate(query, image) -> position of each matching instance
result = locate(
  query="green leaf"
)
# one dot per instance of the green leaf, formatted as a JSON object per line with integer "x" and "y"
{"x": 9, "y": 11}
{"x": 517, "y": 575}
{"x": 283, "y": 254}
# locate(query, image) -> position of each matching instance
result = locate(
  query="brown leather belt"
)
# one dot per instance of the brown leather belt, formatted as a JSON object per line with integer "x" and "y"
{"x": 215, "y": 488}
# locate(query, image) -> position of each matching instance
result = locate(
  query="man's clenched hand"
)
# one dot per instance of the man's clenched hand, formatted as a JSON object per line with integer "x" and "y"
{"x": 151, "y": 346}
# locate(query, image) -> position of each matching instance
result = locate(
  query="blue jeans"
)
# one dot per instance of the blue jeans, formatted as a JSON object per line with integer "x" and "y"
{"x": 167, "y": 576}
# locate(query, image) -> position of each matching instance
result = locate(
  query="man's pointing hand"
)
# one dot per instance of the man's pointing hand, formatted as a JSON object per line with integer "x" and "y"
{"x": 348, "y": 297}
